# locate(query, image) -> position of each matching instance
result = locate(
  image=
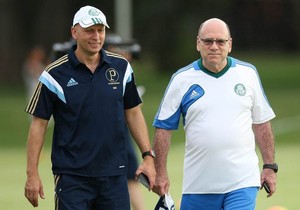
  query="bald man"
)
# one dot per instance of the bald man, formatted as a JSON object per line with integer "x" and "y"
{"x": 225, "y": 113}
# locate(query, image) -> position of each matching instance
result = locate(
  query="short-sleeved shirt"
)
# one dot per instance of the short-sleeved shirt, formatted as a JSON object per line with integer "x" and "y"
{"x": 89, "y": 137}
{"x": 218, "y": 110}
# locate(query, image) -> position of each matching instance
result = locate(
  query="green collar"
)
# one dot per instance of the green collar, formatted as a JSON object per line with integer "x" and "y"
{"x": 213, "y": 74}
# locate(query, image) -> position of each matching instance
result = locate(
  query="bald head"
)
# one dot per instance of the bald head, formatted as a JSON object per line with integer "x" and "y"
{"x": 214, "y": 25}
{"x": 214, "y": 44}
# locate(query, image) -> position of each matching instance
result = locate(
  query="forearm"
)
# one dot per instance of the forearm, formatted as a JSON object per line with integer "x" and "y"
{"x": 33, "y": 185}
{"x": 162, "y": 141}
{"x": 138, "y": 128}
{"x": 35, "y": 143}
{"x": 265, "y": 141}
{"x": 139, "y": 131}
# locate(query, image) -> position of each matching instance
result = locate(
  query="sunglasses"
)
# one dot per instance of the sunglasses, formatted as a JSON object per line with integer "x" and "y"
{"x": 210, "y": 41}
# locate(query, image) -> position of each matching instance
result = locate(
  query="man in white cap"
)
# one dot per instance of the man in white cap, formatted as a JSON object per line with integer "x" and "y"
{"x": 91, "y": 95}
{"x": 88, "y": 16}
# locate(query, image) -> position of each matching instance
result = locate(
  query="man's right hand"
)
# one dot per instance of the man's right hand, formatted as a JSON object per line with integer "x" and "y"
{"x": 34, "y": 189}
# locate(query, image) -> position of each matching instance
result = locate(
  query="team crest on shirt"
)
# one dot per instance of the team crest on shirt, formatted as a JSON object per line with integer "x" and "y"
{"x": 240, "y": 89}
{"x": 112, "y": 76}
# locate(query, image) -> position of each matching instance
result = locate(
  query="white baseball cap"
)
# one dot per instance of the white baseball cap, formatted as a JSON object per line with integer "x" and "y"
{"x": 88, "y": 16}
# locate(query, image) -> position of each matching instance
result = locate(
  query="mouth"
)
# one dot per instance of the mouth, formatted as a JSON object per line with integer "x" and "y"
{"x": 213, "y": 54}
{"x": 95, "y": 45}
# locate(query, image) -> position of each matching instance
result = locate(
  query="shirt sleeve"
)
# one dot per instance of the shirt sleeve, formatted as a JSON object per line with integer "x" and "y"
{"x": 131, "y": 95}
{"x": 41, "y": 103}
{"x": 168, "y": 115}
{"x": 262, "y": 111}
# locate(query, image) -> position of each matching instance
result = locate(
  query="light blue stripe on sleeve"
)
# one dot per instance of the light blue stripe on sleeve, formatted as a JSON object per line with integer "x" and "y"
{"x": 171, "y": 123}
{"x": 52, "y": 85}
{"x": 127, "y": 77}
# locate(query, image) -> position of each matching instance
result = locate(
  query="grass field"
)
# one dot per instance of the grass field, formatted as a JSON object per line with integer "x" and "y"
{"x": 13, "y": 178}
{"x": 280, "y": 75}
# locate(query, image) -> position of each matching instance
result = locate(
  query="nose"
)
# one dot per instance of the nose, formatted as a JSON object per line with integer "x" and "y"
{"x": 214, "y": 45}
{"x": 96, "y": 34}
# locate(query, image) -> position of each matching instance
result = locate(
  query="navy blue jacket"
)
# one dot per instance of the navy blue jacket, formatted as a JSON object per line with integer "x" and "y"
{"x": 89, "y": 137}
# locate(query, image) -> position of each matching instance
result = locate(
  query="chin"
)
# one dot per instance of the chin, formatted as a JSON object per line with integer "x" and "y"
{"x": 95, "y": 50}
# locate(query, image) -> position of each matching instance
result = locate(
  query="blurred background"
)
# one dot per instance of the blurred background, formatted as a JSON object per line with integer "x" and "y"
{"x": 165, "y": 29}
{"x": 265, "y": 33}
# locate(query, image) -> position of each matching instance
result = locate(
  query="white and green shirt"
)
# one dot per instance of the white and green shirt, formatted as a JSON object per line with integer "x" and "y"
{"x": 218, "y": 110}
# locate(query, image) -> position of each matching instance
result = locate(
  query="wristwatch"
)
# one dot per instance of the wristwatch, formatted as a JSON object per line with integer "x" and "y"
{"x": 273, "y": 166}
{"x": 148, "y": 153}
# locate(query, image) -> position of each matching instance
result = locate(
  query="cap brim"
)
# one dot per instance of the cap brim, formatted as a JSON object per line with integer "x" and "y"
{"x": 89, "y": 22}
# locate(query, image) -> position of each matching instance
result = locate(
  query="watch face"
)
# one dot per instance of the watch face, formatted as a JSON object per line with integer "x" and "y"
{"x": 152, "y": 153}
{"x": 276, "y": 167}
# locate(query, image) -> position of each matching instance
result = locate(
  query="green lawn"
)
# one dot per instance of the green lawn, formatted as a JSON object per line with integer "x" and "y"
{"x": 280, "y": 75}
{"x": 12, "y": 179}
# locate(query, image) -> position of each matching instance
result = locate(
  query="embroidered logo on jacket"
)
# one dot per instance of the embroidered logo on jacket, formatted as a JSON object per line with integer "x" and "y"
{"x": 72, "y": 82}
{"x": 112, "y": 76}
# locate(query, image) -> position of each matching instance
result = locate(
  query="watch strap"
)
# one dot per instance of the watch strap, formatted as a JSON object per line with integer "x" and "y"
{"x": 273, "y": 166}
{"x": 148, "y": 153}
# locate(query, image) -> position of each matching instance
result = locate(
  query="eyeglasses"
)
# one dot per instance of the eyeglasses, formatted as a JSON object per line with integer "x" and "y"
{"x": 219, "y": 42}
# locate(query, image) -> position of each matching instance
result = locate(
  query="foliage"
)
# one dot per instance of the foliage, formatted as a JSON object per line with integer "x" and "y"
{"x": 165, "y": 29}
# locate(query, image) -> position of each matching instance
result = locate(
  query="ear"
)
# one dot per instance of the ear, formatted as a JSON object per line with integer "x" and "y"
{"x": 198, "y": 44}
{"x": 230, "y": 46}
{"x": 74, "y": 32}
